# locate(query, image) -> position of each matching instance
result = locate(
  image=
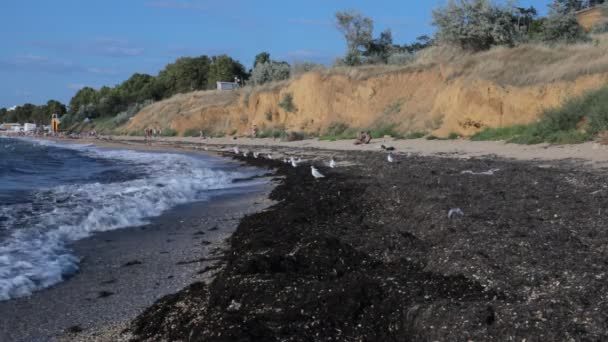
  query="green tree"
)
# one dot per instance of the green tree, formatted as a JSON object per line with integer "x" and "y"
{"x": 3, "y": 115}
{"x": 356, "y": 28}
{"x": 83, "y": 97}
{"x": 475, "y": 24}
{"x": 185, "y": 74}
{"x": 562, "y": 27}
{"x": 224, "y": 69}
{"x": 55, "y": 107}
{"x": 262, "y": 57}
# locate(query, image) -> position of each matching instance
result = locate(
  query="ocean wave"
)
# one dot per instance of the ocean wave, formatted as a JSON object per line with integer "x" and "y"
{"x": 35, "y": 254}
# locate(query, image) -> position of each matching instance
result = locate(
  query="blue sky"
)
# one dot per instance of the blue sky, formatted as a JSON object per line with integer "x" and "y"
{"x": 53, "y": 48}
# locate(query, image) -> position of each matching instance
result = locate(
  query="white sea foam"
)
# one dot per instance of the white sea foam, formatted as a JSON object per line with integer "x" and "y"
{"x": 34, "y": 254}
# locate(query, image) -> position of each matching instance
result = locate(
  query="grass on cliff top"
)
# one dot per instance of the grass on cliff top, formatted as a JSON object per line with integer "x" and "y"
{"x": 578, "y": 120}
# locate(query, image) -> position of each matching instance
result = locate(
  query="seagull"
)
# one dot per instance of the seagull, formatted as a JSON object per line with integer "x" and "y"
{"x": 255, "y": 155}
{"x": 293, "y": 162}
{"x": 390, "y": 158}
{"x": 236, "y": 150}
{"x": 285, "y": 161}
{"x": 332, "y": 163}
{"x": 269, "y": 156}
{"x": 316, "y": 173}
{"x": 245, "y": 154}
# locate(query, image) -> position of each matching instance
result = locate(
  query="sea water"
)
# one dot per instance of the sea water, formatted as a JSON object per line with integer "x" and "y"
{"x": 52, "y": 194}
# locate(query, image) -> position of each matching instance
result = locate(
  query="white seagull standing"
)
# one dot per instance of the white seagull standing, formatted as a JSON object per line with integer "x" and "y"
{"x": 255, "y": 155}
{"x": 332, "y": 163}
{"x": 316, "y": 173}
{"x": 390, "y": 158}
{"x": 245, "y": 154}
{"x": 293, "y": 162}
{"x": 269, "y": 156}
{"x": 236, "y": 150}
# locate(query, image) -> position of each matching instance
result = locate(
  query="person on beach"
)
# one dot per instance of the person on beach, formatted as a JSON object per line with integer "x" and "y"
{"x": 363, "y": 138}
{"x": 254, "y": 131}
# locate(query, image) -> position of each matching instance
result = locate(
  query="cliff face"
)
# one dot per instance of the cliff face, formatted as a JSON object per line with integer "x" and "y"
{"x": 444, "y": 91}
{"x": 590, "y": 17}
{"x": 424, "y": 100}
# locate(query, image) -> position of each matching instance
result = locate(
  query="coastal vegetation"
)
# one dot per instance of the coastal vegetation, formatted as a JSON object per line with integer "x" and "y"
{"x": 578, "y": 120}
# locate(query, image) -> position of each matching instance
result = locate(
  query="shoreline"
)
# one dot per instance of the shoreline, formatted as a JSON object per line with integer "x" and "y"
{"x": 590, "y": 154}
{"x": 374, "y": 240}
{"x": 124, "y": 271}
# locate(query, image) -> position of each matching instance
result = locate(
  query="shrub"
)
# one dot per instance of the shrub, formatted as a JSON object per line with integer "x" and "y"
{"x": 287, "y": 103}
{"x": 576, "y": 121}
{"x": 601, "y": 27}
{"x": 400, "y": 59}
{"x": 339, "y": 131}
{"x": 268, "y": 115}
{"x": 169, "y": 132}
{"x": 352, "y": 58}
{"x": 475, "y": 24}
{"x": 275, "y": 133}
{"x": 304, "y": 67}
{"x": 563, "y": 28}
{"x": 384, "y": 130}
{"x": 270, "y": 72}
{"x": 192, "y": 132}
{"x": 502, "y": 133}
{"x": 414, "y": 135}
{"x": 453, "y": 136}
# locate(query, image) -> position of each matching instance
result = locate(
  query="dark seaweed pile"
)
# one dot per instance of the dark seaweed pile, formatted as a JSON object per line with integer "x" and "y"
{"x": 370, "y": 254}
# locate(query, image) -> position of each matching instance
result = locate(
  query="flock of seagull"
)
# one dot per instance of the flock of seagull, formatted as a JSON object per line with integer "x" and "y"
{"x": 294, "y": 162}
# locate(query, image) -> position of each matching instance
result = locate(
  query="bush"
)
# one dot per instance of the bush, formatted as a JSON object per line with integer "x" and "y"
{"x": 400, "y": 59}
{"x": 275, "y": 133}
{"x": 601, "y": 27}
{"x": 304, "y": 67}
{"x": 270, "y": 72}
{"x": 268, "y": 115}
{"x": 287, "y": 103}
{"x": 339, "y": 131}
{"x": 169, "y": 132}
{"x": 453, "y": 136}
{"x": 414, "y": 135}
{"x": 192, "y": 132}
{"x": 578, "y": 120}
{"x": 133, "y": 109}
{"x": 384, "y": 130}
{"x": 563, "y": 28}
{"x": 502, "y": 133}
{"x": 352, "y": 58}
{"x": 475, "y": 24}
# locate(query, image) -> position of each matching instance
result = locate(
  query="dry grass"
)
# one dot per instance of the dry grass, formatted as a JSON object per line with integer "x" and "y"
{"x": 602, "y": 138}
{"x": 527, "y": 64}
{"x": 530, "y": 64}
{"x": 208, "y": 98}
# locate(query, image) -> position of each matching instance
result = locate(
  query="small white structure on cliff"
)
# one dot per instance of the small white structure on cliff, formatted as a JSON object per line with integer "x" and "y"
{"x": 227, "y": 85}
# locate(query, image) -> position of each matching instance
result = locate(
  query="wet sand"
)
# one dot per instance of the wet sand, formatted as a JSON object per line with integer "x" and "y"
{"x": 124, "y": 271}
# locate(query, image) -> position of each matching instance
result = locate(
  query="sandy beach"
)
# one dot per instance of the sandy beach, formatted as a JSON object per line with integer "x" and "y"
{"x": 588, "y": 154}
